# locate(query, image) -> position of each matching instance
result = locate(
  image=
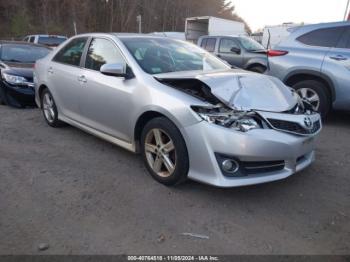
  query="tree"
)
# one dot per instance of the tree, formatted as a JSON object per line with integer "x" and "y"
{"x": 23, "y": 17}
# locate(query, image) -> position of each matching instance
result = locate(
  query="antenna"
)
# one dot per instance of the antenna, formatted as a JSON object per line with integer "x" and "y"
{"x": 269, "y": 39}
{"x": 346, "y": 10}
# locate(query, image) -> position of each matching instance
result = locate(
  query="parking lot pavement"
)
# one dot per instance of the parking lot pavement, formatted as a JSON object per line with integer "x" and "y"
{"x": 81, "y": 195}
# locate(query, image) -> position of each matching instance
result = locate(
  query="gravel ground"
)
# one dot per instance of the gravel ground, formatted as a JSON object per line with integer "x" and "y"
{"x": 80, "y": 195}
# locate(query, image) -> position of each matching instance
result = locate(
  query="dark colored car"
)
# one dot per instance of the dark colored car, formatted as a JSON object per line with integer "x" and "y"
{"x": 240, "y": 51}
{"x": 17, "y": 61}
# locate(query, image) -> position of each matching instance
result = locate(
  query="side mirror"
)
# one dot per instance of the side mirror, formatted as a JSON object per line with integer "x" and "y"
{"x": 236, "y": 50}
{"x": 118, "y": 69}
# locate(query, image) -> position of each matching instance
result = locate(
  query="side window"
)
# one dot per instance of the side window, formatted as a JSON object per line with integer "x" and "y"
{"x": 345, "y": 39}
{"x": 204, "y": 42}
{"x": 31, "y": 39}
{"x": 25, "y": 39}
{"x": 100, "y": 52}
{"x": 210, "y": 46}
{"x": 326, "y": 37}
{"x": 226, "y": 45}
{"x": 71, "y": 53}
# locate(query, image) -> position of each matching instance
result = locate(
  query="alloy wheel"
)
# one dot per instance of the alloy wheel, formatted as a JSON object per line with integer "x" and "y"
{"x": 48, "y": 107}
{"x": 311, "y": 96}
{"x": 160, "y": 152}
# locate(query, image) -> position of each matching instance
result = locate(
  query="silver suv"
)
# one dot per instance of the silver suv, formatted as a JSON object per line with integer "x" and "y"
{"x": 315, "y": 61}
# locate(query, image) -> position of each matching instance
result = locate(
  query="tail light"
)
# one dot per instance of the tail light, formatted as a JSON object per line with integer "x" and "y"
{"x": 271, "y": 53}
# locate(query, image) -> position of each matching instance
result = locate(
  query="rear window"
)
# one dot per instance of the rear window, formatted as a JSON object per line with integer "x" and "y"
{"x": 208, "y": 44}
{"x": 51, "y": 40}
{"x": 325, "y": 37}
{"x": 22, "y": 53}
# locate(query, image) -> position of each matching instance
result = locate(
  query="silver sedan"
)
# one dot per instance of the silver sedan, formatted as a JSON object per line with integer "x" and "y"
{"x": 187, "y": 112}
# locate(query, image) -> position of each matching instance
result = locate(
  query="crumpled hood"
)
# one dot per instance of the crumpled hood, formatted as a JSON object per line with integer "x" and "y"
{"x": 243, "y": 90}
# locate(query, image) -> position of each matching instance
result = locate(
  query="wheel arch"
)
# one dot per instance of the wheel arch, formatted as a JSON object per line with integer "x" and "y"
{"x": 142, "y": 120}
{"x": 255, "y": 64}
{"x": 41, "y": 88}
{"x": 301, "y": 75}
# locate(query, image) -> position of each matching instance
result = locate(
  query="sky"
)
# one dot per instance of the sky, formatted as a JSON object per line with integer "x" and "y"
{"x": 258, "y": 13}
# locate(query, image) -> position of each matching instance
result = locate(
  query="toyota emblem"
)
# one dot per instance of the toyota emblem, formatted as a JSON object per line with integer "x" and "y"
{"x": 308, "y": 122}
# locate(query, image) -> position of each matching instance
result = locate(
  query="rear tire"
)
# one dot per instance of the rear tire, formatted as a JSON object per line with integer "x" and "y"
{"x": 164, "y": 152}
{"x": 49, "y": 109}
{"x": 317, "y": 94}
{"x": 258, "y": 69}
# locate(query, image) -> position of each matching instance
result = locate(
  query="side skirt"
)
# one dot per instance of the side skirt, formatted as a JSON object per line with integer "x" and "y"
{"x": 128, "y": 146}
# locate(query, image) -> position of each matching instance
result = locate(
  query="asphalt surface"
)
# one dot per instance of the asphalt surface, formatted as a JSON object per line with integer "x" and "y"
{"x": 80, "y": 195}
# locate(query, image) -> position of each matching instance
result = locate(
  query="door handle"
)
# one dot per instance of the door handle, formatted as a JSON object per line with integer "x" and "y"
{"x": 218, "y": 55}
{"x": 82, "y": 79}
{"x": 50, "y": 70}
{"x": 338, "y": 58}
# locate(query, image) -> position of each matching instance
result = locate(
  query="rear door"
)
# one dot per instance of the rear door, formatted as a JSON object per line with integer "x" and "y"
{"x": 63, "y": 77}
{"x": 225, "y": 52}
{"x": 105, "y": 101}
{"x": 337, "y": 66}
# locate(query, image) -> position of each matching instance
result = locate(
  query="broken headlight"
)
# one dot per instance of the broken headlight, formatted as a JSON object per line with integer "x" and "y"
{"x": 237, "y": 120}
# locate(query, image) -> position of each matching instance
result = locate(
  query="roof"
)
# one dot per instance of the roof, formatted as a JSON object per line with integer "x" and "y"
{"x": 7, "y": 42}
{"x": 40, "y": 35}
{"x": 322, "y": 25}
{"x": 121, "y": 35}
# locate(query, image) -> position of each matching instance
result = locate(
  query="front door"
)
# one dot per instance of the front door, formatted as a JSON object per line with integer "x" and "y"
{"x": 105, "y": 100}
{"x": 225, "y": 52}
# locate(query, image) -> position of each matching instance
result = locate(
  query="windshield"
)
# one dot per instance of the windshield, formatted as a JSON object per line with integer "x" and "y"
{"x": 159, "y": 55}
{"x": 51, "y": 40}
{"x": 250, "y": 44}
{"x": 22, "y": 53}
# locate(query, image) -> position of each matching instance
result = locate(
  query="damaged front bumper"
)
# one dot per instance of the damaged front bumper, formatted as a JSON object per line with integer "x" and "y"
{"x": 18, "y": 96}
{"x": 263, "y": 155}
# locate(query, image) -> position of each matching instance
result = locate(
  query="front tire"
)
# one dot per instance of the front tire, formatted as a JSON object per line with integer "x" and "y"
{"x": 316, "y": 94}
{"x": 164, "y": 152}
{"x": 2, "y": 96}
{"x": 49, "y": 109}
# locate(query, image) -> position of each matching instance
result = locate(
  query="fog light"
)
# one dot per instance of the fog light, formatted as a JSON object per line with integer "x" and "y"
{"x": 230, "y": 166}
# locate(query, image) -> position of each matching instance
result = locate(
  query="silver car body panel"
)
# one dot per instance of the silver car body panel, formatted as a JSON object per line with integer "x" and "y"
{"x": 109, "y": 107}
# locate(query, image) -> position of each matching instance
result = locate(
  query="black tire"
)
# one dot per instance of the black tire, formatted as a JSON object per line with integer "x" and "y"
{"x": 181, "y": 160}
{"x": 258, "y": 69}
{"x": 2, "y": 96}
{"x": 54, "y": 122}
{"x": 321, "y": 90}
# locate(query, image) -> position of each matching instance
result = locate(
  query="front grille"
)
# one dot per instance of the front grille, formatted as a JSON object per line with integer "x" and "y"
{"x": 294, "y": 127}
{"x": 259, "y": 167}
